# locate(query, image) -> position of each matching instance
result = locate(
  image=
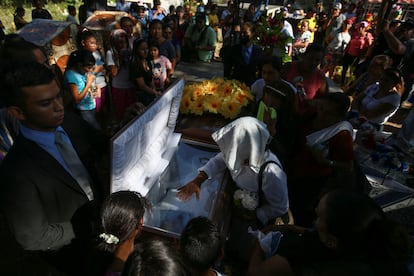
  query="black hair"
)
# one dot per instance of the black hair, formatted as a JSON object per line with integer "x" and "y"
{"x": 125, "y": 18}
{"x": 81, "y": 57}
{"x": 135, "y": 48}
{"x": 155, "y": 258}
{"x": 361, "y": 227}
{"x": 153, "y": 43}
{"x": 200, "y": 16}
{"x": 16, "y": 75}
{"x": 341, "y": 102}
{"x": 393, "y": 74}
{"x": 84, "y": 35}
{"x": 71, "y": 8}
{"x": 251, "y": 25}
{"x": 121, "y": 214}
{"x": 18, "y": 10}
{"x": 154, "y": 22}
{"x": 133, "y": 7}
{"x": 15, "y": 47}
{"x": 179, "y": 9}
{"x": 200, "y": 244}
{"x": 274, "y": 61}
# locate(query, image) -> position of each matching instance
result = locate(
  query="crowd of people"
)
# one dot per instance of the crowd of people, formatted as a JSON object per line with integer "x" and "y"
{"x": 291, "y": 154}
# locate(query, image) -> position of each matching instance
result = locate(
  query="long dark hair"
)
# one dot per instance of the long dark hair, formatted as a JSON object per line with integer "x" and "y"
{"x": 80, "y": 57}
{"x": 120, "y": 215}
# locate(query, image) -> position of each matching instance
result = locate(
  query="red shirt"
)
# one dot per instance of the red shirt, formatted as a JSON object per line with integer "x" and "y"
{"x": 311, "y": 85}
{"x": 341, "y": 148}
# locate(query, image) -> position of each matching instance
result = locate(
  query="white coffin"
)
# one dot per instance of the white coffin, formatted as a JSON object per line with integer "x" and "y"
{"x": 150, "y": 158}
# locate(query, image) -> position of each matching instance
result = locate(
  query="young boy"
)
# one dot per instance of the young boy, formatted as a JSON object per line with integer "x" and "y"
{"x": 201, "y": 246}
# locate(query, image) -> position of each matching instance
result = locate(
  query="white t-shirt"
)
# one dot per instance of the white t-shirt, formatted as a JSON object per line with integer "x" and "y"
{"x": 369, "y": 102}
{"x": 339, "y": 42}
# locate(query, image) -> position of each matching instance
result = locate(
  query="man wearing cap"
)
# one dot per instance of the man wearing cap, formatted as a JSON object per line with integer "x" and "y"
{"x": 200, "y": 40}
{"x": 334, "y": 23}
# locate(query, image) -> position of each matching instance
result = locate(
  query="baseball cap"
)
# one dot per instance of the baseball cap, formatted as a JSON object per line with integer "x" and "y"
{"x": 337, "y": 6}
{"x": 363, "y": 24}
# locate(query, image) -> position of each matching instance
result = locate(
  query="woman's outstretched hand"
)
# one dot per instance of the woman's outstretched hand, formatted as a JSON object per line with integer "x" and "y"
{"x": 185, "y": 192}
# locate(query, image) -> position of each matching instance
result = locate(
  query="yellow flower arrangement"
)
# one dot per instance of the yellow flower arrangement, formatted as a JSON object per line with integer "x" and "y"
{"x": 219, "y": 96}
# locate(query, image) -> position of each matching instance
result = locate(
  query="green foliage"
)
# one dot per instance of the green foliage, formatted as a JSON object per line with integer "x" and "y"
{"x": 58, "y": 11}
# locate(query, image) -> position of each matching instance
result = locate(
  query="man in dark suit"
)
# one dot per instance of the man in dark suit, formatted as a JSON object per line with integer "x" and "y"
{"x": 243, "y": 61}
{"x": 45, "y": 205}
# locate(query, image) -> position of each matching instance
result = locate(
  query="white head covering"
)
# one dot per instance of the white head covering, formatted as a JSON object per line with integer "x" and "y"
{"x": 243, "y": 139}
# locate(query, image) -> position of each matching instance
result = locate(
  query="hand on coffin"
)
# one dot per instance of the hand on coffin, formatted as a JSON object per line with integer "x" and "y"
{"x": 185, "y": 192}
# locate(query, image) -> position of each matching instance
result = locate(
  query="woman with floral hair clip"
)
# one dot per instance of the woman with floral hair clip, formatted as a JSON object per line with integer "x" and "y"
{"x": 121, "y": 222}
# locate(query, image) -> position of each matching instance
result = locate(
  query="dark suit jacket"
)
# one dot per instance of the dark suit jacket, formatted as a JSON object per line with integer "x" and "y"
{"x": 39, "y": 198}
{"x": 237, "y": 68}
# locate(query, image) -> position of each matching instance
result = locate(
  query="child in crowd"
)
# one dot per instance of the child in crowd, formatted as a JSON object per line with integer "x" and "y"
{"x": 117, "y": 57}
{"x": 80, "y": 81}
{"x": 155, "y": 258}
{"x": 166, "y": 48}
{"x": 18, "y": 18}
{"x": 129, "y": 26}
{"x": 87, "y": 41}
{"x": 143, "y": 20}
{"x": 161, "y": 68}
{"x": 201, "y": 246}
{"x": 121, "y": 222}
{"x": 141, "y": 73}
{"x": 302, "y": 39}
{"x": 71, "y": 16}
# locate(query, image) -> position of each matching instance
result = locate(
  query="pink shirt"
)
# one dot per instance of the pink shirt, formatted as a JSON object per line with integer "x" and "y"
{"x": 358, "y": 44}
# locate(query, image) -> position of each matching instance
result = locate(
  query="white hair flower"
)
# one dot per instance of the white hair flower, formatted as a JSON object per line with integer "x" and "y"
{"x": 109, "y": 238}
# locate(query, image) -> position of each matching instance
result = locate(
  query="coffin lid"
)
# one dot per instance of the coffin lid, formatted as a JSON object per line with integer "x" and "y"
{"x": 141, "y": 150}
{"x": 42, "y": 31}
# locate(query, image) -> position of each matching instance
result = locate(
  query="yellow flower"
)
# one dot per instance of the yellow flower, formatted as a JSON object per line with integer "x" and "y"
{"x": 197, "y": 107}
{"x": 229, "y": 110}
{"x": 198, "y": 92}
{"x": 217, "y": 95}
{"x": 212, "y": 105}
{"x": 186, "y": 104}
